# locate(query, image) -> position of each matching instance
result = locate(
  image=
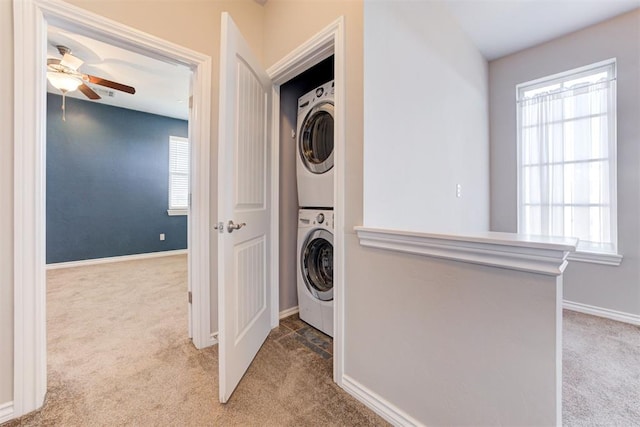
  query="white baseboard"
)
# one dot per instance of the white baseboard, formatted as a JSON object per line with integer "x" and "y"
{"x": 86, "y": 262}
{"x": 619, "y": 316}
{"x": 6, "y": 412}
{"x": 288, "y": 312}
{"x": 378, "y": 404}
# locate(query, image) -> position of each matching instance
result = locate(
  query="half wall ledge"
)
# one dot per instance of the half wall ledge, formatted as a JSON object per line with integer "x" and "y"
{"x": 533, "y": 254}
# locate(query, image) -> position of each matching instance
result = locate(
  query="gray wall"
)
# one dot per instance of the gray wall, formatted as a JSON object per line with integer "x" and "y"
{"x": 614, "y": 288}
{"x": 108, "y": 182}
{"x": 452, "y": 343}
{"x": 289, "y": 94}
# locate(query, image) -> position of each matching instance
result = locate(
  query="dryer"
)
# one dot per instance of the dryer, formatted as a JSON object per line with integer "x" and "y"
{"x": 315, "y": 268}
{"x": 314, "y": 142}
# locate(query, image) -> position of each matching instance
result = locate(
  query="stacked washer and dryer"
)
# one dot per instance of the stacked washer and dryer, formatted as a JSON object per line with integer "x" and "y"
{"x": 314, "y": 169}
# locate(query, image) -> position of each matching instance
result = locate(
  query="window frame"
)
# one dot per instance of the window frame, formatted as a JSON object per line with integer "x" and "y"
{"x": 173, "y": 210}
{"x": 585, "y": 252}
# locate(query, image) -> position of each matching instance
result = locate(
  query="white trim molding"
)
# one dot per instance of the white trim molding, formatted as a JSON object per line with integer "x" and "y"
{"x": 6, "y": 412}
{"x": 94, "y": 261}
{"x": 275, "y": 205}
{"x": 596, "y": 258}
{"x": 542, "y": 255}
{"x": 29, "y": 338}
{"x": 378, "y": 404}
{"x": 620, "y": 316}
{"x": 31, "y": 19}
{"x": 319, "y": 47}
{"x": 289, "y": 312}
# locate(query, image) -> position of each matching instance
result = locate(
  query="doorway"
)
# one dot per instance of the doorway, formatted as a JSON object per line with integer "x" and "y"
{"x": 306, "y": 244}
{"x": 117, "y": 178}
{"x": 328, "y": 43}
{"x": 31, "y": 22}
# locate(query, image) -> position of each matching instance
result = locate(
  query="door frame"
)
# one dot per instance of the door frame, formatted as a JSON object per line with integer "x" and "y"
{"x": 31, "y": 18}
{"x": 329, "y": 41}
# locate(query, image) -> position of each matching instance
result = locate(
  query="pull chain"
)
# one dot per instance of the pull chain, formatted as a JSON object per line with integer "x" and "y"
{"x": 64, "y": 97}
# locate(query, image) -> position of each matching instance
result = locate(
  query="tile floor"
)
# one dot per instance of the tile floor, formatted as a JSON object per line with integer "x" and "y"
{"x": 307, "y": 335}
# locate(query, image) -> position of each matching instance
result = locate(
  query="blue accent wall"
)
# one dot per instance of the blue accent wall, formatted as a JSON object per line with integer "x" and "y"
{"x": 107, "y": 182}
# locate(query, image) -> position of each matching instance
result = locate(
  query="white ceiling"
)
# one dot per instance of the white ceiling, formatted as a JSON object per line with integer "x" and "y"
{"x": 502, "y": 27}
{"x": 161, "y": 88}
{"x": 497, "y": 27}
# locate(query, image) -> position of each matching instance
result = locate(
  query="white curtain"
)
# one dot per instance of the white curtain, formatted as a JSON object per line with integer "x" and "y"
{"x": 566, "y": 137}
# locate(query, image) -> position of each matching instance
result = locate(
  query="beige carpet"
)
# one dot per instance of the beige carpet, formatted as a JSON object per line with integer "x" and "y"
{"x": 118, "y": 355}
{"x": 601, "y": 372}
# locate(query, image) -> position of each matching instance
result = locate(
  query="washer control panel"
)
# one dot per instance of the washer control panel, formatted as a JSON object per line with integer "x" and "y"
{"x": 317, "y": 218}
{"x": 317, "y": 95}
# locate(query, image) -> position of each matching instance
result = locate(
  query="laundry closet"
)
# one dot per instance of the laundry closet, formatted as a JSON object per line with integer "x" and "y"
{"x": 307, "y": 195}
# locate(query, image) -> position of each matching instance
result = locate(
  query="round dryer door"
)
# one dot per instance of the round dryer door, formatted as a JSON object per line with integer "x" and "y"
{"x": 316, "y": 138}
{"x": 316, "y": 261}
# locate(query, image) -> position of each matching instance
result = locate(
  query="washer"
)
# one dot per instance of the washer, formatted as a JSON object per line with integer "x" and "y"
{"x": 314, "y": 164}
{"x": 315, "y": 268}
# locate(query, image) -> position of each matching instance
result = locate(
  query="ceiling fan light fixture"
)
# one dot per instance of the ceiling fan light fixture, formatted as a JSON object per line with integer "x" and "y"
{"x": 63, "y": 82}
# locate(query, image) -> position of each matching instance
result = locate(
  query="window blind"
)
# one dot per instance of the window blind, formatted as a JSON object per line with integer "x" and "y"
{"x": 178, "y": 173}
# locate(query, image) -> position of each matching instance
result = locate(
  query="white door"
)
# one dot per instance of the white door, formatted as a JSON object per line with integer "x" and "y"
{"x": 244, "y": 191}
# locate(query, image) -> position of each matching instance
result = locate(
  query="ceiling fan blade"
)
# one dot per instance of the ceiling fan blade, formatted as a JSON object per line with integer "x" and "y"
{"x": 71, "y": 61}
{"x": 53, "y": 61}
{"x": 88, "y": 92}
{"x": 109, "y": 83}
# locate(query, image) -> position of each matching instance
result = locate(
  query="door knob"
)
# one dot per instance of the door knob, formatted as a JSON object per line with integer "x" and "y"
{"x": 231, "y": 226}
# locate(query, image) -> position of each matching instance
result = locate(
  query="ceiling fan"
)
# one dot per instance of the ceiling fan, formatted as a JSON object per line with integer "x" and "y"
{"x": 63, "y": 74}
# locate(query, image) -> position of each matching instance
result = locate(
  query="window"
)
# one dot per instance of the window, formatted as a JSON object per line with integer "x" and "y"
{"x": 567, "y": 157}
{"x": 178, "y": 175}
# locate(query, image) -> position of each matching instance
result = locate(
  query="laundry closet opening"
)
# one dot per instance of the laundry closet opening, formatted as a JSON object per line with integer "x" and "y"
{"x": 306, "y": 205}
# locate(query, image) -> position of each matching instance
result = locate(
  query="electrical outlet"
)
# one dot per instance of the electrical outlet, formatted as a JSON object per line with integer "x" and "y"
{"x": 161, "y": 236}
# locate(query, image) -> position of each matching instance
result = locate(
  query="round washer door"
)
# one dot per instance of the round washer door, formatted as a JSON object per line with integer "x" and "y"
{"x": 316, "y": 262}
{"x": 315, "y": 142}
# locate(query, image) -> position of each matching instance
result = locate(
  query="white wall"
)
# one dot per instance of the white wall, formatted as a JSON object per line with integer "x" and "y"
{"x": 612, "y": 288}
{"x": 425, "y": 121}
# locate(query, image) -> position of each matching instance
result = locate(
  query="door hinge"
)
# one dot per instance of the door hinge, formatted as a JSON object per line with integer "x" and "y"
{"x": 190, "y": 297}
